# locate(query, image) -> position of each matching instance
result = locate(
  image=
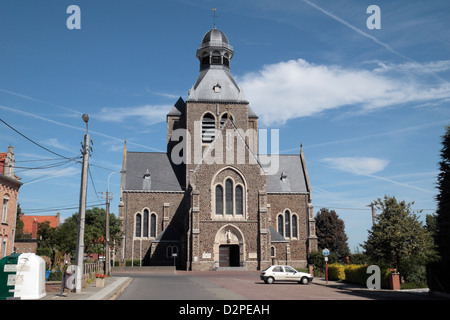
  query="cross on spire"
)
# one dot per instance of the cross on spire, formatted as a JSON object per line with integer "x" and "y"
{"x": 214, "y": 16}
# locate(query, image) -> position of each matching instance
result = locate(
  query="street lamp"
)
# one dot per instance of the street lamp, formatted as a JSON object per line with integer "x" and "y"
{"x": 79, "y": 259}
{"x": 107, "y": 249}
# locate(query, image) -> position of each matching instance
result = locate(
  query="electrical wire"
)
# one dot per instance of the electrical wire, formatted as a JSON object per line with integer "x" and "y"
{"x": 32, "y": 141}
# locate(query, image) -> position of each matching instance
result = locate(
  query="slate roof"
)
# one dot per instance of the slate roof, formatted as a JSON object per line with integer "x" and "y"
{"x": 203, "y": 90}
{"x": 178, "y": 109}
{"x": 289, "y": 176}
{"x": 163, "y": 176}
{"x": 275, "y": 236}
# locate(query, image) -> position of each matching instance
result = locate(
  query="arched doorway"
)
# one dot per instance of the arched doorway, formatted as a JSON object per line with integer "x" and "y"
{"x": 229, "y": 247}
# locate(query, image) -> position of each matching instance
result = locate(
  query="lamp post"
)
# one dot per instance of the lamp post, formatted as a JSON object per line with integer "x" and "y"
{"x": 82, "y": 210}
{"x": 107, "y": 246}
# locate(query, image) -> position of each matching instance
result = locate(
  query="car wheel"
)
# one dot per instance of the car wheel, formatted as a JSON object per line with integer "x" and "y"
{"x": 270, "y": 280}
{"x": 304, "y": 280}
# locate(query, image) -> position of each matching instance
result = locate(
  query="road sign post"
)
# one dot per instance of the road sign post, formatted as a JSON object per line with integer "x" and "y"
{"x": 326, "y": 253}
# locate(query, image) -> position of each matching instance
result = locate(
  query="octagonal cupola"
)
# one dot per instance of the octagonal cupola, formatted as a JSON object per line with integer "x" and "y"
{"x": 214, "y": 50}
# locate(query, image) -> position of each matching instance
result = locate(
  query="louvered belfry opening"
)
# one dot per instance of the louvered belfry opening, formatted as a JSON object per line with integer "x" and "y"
{"x": 208, "y": 128}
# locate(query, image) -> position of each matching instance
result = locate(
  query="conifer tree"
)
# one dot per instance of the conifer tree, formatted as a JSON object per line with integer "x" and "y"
{"x": 330, "y": 231}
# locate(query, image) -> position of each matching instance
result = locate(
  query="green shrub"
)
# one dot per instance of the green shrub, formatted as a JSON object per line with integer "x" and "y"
{"x": 355, "y": 273}
{"x": 336, "y": 272}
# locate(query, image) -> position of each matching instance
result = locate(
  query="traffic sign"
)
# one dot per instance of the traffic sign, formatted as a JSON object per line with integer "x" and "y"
{"x": 326, "y": 252}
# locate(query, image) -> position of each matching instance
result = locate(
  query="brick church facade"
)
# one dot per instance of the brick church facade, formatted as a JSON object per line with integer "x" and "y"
{"x": 212, "y": 201}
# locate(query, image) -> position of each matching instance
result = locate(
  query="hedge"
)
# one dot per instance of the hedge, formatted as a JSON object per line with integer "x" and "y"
{"x": 336, "y": 272}
{"x": 354, "y": 273}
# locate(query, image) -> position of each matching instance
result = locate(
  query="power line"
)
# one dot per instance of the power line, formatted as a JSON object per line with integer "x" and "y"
{"x": 32, "y": 141}
{"x": 61, "y": 208}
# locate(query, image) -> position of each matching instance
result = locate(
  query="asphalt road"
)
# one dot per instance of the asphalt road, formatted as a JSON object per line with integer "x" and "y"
{"x": 243, "y": 285}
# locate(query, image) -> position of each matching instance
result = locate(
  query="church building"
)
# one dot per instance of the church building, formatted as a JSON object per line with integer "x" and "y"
{"x": 212, "y": 201}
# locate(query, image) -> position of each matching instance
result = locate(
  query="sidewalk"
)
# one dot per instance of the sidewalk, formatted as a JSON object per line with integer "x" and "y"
{"x": 356, "y": 287}
{"x": 112, "y": 289}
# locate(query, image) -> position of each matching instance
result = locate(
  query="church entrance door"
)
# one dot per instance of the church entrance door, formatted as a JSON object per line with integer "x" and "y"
{"x": 229, "y": 255}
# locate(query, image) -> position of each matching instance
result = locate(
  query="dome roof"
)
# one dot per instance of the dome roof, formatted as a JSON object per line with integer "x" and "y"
{"x": 215, "y": 38}
{"x": 215, "y": 35}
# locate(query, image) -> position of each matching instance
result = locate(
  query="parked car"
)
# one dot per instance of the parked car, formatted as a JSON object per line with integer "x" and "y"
{"x": 285, "y": 273}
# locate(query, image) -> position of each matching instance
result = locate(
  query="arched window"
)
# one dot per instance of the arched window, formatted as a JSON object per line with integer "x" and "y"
{"x": 153, "y": 225}
{"x": 287, "y": 223}
{"x": 239, "y": 200}
{"x": 208, "y": 128}
{"x": 219, "y": 199}
{"x": 229, "y": 196}
{"x": 145, "y": 233}
{"x": 5, "y": 207}
{"x": 272, "y": 251}
{"x": 224, "y": 118}
{"x": 280, "y": 224}
{"x": 138, "y": 226}
{"x": 216, "y": 58}
{"x": 294, "y": 226}
{"x": 171, "y": 250}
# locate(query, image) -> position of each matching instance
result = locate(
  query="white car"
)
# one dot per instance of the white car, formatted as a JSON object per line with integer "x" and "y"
{"x": 285, "y": 273}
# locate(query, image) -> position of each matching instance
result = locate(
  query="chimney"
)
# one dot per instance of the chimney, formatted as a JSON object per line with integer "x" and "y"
{"x": 58, "y": 218}
{"x": 34, "y": 229}
{"x": 9, "y": 163}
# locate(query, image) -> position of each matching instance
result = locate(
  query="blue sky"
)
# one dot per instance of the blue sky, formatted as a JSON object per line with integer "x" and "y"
{"x": 368, "y": 105}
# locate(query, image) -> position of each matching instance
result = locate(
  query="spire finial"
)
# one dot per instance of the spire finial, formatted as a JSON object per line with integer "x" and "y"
{"x": 214, "y": 16}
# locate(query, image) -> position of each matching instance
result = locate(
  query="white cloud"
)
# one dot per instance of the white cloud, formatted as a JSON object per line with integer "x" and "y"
{"x": 357, "y": 165}
{"x": 297, "y": 88}
{"x": 53, "y": 142}
{"x": 147, "y": 114}
{"x": 41, "y": 175}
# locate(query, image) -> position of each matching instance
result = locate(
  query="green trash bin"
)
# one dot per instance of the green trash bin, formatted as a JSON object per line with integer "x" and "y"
{"x": 8, "y": 269}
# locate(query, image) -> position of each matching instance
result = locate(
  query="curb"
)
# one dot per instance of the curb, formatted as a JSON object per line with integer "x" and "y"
{"x": 112, "y": 291}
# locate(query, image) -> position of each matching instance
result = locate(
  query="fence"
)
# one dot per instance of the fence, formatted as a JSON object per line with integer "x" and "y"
{"x": 94, "y": 267}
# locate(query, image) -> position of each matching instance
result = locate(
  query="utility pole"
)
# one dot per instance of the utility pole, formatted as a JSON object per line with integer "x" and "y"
{"x": 373, "y": 212}
{"x": 107, "y": 235}
{"x": 79, "y": 259}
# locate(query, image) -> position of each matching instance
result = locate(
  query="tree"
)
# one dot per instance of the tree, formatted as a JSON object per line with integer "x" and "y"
{"x": 443, "y": 198}
{"x": 398, "y": 235}
{"x": 19, "y": 223}
{"x": 438, "y": 275}
{"x": 330, "y": 231}
{"x": 94, "y": 234}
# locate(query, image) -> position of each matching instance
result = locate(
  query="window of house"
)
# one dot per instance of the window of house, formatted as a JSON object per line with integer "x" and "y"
{"x": 171, "y": 250}
{"x": 208, "y": 128}
{"x": 4, "y": 243}
{"x": 138, "y": 226}
{"x": 232, "y": 203}
{"x": 239, "y": 200}
{"x": 294, "y": 226}
{"x": 280, "y": 225}
{"x": 145, "y": 233}
{"x": 287, "y": 224}
{"x": 229, "y": 196}
{"x": 153, "y": 225}
{"x": 219, "y": 199}
{"x": 5, "y": 209}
